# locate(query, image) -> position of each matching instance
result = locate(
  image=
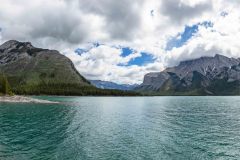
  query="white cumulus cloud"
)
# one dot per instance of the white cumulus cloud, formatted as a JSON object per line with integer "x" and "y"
{"x": 143, "y": 25}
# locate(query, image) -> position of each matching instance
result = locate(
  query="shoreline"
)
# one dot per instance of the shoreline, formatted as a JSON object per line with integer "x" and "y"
{"x": 23, "y": 99}
{"x": 27, "y": 99}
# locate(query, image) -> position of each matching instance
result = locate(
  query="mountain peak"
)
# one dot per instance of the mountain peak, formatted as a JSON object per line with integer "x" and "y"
{"x": 15, "y": 44}
{"x": 202, "y": 59}
{"x": 219, "y": 55}
{"x": 12, "y": 50}
{"x": 200, "y": 64}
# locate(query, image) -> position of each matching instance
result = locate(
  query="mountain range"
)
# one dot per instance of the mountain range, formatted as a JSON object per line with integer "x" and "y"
{"x": 218, "y": 75}
{"x": 112, "y": 85}
{"x": 30, "y": 70}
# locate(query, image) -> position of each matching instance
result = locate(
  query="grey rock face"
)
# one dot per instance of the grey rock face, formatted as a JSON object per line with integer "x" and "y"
{"x": 194, "y": 74}
{"x": 13, "y": 50}
{"x": 154, "y": 81}
{"x": 203, "y": 65}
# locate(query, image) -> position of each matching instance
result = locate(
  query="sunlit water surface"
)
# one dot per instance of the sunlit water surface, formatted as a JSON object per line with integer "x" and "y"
{"x": 124, "y": 128}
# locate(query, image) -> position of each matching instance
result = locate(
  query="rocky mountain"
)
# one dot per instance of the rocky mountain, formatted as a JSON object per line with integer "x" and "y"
{"x": 29, "y": 69}
{"x": 218, "y": 75}
{"x": 112, "y": 85}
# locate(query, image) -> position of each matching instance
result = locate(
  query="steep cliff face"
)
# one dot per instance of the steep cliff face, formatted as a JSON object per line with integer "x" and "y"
{"x": 218, "y": 75}
{"x": 28, "y": 68}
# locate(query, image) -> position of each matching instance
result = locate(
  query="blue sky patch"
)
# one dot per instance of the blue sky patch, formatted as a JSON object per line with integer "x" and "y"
{"x": 96, "y": 44}
{"x": 126, "y": 51}
{"x": 183, "y": 37}
{"x": 206, "y": 24}
{"x": 186, "y": 35}
{"x": 80, "y": 51}
{"x": 144, "y": 59}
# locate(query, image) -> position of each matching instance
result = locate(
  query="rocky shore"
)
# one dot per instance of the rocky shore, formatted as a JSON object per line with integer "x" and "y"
{"x": 23, "y": 99}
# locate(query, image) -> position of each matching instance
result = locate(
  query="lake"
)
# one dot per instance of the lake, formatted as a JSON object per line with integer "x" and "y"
{"x": 121, "y": 128}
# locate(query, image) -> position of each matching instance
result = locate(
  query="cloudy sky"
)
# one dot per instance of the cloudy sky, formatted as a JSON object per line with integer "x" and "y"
{"x": 121, "y": 40}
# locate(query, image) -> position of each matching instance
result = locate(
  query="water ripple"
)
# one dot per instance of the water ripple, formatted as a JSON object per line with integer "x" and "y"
{"x": 121, "y": 128}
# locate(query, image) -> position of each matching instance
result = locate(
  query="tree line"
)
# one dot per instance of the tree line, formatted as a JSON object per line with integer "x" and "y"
{"x": 5, "y": 88}
{"x": 68, "y": 89}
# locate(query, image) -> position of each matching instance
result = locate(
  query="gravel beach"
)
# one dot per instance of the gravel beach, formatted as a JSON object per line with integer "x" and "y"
{"x": 22, "y": 99}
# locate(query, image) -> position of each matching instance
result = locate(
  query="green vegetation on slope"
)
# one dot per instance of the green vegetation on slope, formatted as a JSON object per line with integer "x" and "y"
{"x": 68, "y": 89}
{"x": 222, "y": 87}
{"x": 5, "y": 88}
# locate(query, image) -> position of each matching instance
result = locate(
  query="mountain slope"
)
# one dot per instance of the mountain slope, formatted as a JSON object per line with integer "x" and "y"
{"x": 111, "y": 85}
{"x": 34, "y": 70}
{"x": 218, "y": 75}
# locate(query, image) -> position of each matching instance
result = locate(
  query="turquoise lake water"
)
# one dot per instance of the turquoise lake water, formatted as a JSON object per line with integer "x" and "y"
{"x": 121, "y": 128}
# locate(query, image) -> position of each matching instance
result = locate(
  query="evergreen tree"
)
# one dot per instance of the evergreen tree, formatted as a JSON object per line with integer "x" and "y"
{"x": 4, "y": 85}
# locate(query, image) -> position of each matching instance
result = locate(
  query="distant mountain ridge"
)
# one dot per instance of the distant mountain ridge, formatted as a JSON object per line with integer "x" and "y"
{"x": 112, "y": 85}
{"x": 218, "y": 75}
